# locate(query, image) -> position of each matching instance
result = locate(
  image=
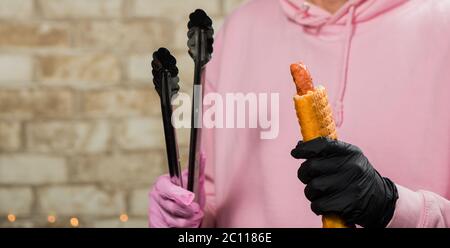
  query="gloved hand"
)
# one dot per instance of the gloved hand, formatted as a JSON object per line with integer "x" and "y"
{"x": 340, "y": 180}
{"x": 174, "y": 206}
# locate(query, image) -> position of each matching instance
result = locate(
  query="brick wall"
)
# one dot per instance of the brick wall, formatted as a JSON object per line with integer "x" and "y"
{"x": 80, "y": 128}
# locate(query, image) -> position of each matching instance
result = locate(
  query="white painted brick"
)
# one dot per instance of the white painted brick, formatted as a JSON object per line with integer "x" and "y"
{"x": 10, "y": 133}
{"x": 15, "y": 68}
{"x": 140, "y": 133}
{"x": 120, "y": 170}
{"x": 80, "y": 8}
{"x": 69, "y": 136}
{"x": 15, "y": 201}
{"x": 32, "y": 169}
{"x": 121, "y": 102}
{"x": 186, "y": 66}
{"x": 183, "y": 136}
{"x": 31, "y": 35}
{"x": 139, "y": 68}
{"x": 230, "y": 5}
{"x": 78, "y": 69}
{"x": 80, "y": 200}
{"x": 16, "y": 8}
{"x": 26, "y": 104}
{"x": 139, "y": 201}
{"x": 140, "y": 36}
{"x": 173, "y": 8}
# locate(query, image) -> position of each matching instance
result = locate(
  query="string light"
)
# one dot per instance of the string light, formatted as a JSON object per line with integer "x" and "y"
{"x": 123, "y": 217}
{"x": 74, "y": 222}
{"x": 11, "y": 217}
{"x": 51, "y": 219}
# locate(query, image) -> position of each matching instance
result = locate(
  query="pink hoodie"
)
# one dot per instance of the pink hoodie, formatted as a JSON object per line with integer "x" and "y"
{"x": 386, "y": 66}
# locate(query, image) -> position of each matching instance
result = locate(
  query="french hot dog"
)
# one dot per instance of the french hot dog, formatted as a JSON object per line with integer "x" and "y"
{"x": 315, "y": 118}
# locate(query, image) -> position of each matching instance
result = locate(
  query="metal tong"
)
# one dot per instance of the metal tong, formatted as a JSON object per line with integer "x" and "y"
{"x": 200, "y": 41}
{"x": 165, "y": 78}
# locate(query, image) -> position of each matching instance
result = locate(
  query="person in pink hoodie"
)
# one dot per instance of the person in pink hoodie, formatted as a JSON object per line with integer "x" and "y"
{"x": 386, "y": 67}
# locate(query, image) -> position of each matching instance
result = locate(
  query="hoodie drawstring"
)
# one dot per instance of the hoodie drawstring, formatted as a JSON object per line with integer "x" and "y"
{"x": 339, "y": 103}
{"x": 313, "y": 20}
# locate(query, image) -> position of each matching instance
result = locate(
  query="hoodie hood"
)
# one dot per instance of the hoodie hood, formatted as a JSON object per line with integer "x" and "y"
{"x": 317, "y": 21}
{"x": 311, "y": 16}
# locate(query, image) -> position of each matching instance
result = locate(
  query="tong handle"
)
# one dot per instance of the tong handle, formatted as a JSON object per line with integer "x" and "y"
{"x": 169, "y": 131}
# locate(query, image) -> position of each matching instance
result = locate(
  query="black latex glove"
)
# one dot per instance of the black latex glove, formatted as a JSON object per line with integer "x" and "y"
{"x": 340, "y": 180}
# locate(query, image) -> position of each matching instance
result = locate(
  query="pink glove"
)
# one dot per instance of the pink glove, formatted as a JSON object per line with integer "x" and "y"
{"x": 174, "y": 206}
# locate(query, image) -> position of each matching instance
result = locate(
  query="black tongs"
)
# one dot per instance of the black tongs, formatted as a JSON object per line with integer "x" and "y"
{"x": 165, "y": 78}
{"x": 200, "y": 43}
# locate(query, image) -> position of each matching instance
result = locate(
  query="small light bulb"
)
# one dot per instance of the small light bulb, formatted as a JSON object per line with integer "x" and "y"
{"x": 74, "y": 222}
{"x": 123, "y": 217}
{"x": 11, "y": 217}
{"x": 51, "y": 219}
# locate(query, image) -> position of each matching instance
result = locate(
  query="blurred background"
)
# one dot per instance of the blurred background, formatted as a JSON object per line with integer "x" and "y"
{"x": 81, "y": 138}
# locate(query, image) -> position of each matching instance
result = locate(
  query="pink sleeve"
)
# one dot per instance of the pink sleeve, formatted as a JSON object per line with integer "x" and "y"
{"x": 420, "y": 209}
